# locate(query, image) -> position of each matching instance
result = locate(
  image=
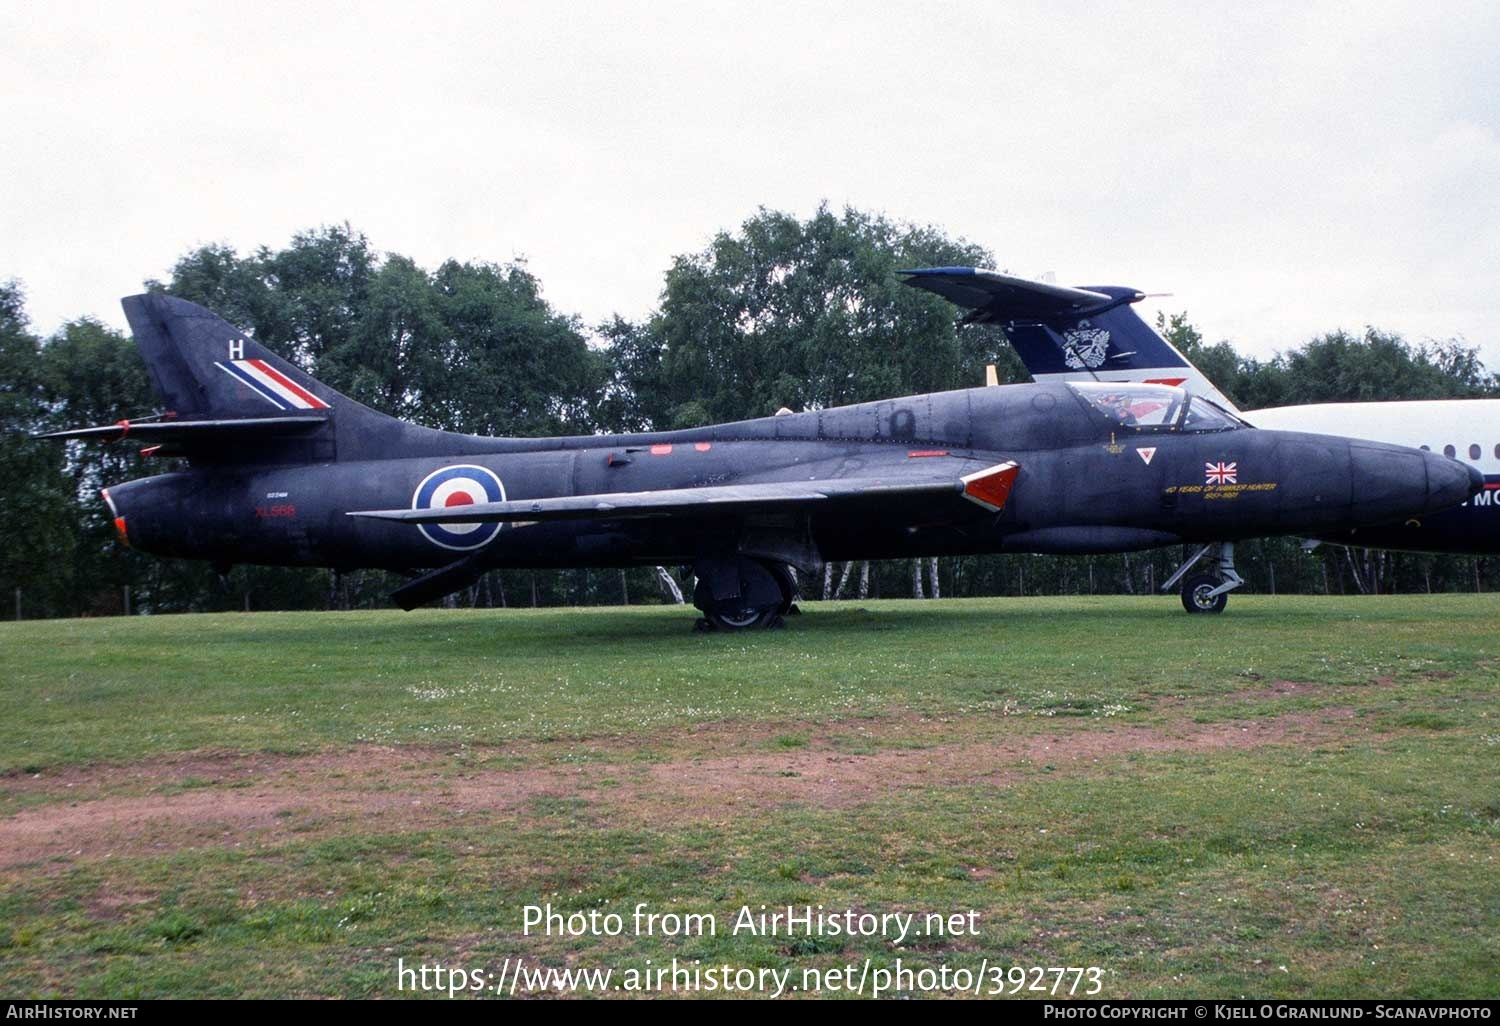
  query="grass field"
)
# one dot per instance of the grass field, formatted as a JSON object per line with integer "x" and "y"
{"x": 1298, "y": 798}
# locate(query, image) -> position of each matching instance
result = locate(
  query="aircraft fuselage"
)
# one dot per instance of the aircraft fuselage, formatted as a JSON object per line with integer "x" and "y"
{"x": 1086, "y": 483}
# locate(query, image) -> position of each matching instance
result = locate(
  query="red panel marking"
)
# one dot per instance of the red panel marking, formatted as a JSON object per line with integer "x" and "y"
{"x": 287, "y": 383}
{"x": 1165, "y": 381}
{"x": 151, "y": 450}
{"x": 124, "y": 426}
{"x": 703, "y": 446}
{"x": 121, "y": 533}
{"x": 990, "y": 488}
{"x": 918, "y": 453}
{"x": 661, "y": 450}
{"x": 458, "y": 499}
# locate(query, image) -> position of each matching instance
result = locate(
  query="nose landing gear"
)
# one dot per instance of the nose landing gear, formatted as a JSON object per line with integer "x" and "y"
{"x": 1207, "y": 592}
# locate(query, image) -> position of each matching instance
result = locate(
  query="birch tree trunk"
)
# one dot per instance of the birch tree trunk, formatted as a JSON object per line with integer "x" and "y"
{"x": 669, "y": 585}
{"x": 838, "y": 592}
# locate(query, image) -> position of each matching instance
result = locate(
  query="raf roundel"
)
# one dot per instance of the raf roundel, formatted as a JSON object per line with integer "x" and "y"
{"x": 458, "y": 486}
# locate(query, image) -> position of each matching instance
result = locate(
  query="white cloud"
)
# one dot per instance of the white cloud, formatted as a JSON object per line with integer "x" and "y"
{"x": 1282, "y": 170}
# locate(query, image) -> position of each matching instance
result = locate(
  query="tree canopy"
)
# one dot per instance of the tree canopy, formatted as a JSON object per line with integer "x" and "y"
{"x": 803, "y": 315}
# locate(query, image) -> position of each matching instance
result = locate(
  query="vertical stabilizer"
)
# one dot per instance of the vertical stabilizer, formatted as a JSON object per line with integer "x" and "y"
{"x": 1069, "y": 334}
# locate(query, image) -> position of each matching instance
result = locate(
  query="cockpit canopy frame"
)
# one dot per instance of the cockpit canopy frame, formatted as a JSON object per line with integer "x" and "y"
{"x": 1154, "y": 409}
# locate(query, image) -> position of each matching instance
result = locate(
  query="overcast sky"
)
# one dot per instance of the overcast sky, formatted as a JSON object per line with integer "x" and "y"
{"x": 1281, "y": 169}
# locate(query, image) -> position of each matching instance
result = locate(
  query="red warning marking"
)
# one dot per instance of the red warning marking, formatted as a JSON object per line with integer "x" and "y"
{"x": 1174, "y": 382}
{"x": 661, "y": 450}
{"x": 459, "y": 499}
{"x": 701, "y": 446}
{"x": 151, "y": 450}
{"x": 121, "y": 533}
{"x": 990, "y": 488}
{"x": 918, "y": 453}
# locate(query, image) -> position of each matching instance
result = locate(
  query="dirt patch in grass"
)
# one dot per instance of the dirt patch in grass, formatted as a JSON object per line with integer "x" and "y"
{"x": 223, "y": 800}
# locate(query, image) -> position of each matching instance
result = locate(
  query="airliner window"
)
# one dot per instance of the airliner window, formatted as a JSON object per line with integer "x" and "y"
{"x": 1203, "y": 416}
{"x": 1474, "y": 451}
{"x": 1136, "y": 406}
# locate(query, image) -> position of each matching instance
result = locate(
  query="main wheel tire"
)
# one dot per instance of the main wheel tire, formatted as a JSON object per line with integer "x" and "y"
{"x": 787, "y": 586}
{"x": 1196, "y": 598}
{"x": 731, "y": 617}
{"x": 762, "y": 593}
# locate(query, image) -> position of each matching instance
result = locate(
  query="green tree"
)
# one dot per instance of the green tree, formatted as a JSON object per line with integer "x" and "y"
{"x": 635, "y": 395}
{"x": 1219, "y": 362}
{"x": 91, "y": 374}
{"x": 802, "y": 314}
{"x": 471, "y": 347}
{"x": 36, "y": 501}
{"x": 517, "y": 367}
{"x": 1340, "y": 367}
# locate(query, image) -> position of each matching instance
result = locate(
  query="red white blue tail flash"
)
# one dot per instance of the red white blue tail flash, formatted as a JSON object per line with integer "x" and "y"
{"x": 271, "y": 385}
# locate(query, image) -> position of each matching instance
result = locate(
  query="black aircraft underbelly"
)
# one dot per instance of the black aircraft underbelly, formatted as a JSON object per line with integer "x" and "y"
{"x": 282, "y": 470}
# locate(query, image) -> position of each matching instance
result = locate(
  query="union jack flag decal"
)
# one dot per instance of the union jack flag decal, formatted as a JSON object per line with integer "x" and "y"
{"x": 1220, "y": 473}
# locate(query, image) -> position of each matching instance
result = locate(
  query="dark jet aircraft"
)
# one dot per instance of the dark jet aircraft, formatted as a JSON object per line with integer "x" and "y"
{"x": 283, "y": 470}
{"x": 1092, "y": 334}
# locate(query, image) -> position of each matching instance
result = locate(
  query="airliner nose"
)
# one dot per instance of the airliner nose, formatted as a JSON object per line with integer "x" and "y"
{"x": 1450, "y": 482}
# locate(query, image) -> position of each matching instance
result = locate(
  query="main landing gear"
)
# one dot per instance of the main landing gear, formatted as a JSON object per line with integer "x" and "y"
{"x": 1206, "y": 591}
{"x": 737, "y": 593}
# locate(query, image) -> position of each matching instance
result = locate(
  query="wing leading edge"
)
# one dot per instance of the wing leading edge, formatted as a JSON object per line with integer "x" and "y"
{"x": 995, "y": 298}
{"x": 987, "y": 488}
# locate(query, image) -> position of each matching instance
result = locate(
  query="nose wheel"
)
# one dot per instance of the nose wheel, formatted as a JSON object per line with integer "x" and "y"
{"x": 1201, "y": 594}
{"x": 1206, "y": 592}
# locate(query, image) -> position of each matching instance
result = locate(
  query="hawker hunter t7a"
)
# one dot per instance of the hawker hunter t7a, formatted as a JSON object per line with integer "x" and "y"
{"x": 280, "y": 469}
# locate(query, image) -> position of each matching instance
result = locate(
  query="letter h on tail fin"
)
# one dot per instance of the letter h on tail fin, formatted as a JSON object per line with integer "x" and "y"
{"x": 229, "y": 399}
{"x": 205, "y": 368}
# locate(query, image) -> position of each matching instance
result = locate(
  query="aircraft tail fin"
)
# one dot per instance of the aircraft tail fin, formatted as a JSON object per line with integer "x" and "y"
{"x": 203, "y": 367}
{"x": 1068, "y": 334}
{"x": 228, "y": 398}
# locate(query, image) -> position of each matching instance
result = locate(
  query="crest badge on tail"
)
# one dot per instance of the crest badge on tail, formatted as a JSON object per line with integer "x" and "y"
{"x": 1084, "y": 346}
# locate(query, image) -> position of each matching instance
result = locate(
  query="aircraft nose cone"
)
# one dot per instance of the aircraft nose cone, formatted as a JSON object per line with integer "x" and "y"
{"x": 1450, "y": 482}
{"x": 1476, "y": 479}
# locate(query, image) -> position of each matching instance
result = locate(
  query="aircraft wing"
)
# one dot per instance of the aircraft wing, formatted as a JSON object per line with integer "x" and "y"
{"x": 192, "y": 430}
{"x": 992, "y": 297}
{"x": 988, "y": 488}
